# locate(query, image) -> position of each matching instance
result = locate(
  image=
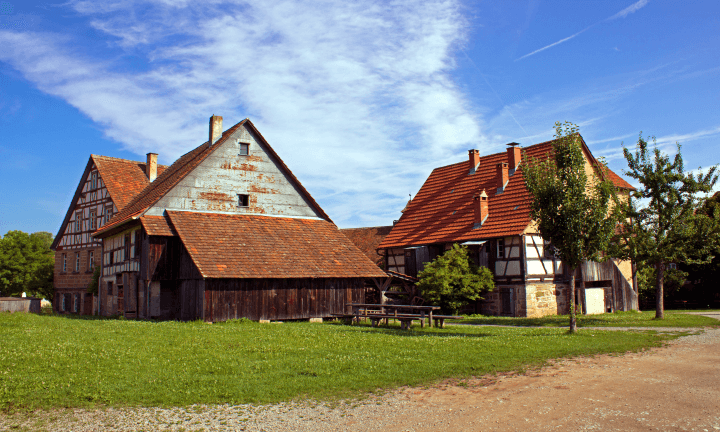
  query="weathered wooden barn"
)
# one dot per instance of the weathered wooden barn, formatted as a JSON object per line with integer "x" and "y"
{"x": 106, "y": 186}
{"x": 227, "y": 231}
{"x": 483, "y": 203}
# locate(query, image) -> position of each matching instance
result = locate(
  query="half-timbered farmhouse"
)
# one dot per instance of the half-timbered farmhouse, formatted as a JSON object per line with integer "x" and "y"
{"x": 227, "y": 231}
{"x": 106, "y": 186}
{"x": 483, "y": 203}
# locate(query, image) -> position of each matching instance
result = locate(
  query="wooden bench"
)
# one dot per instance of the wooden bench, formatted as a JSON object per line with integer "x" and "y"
{"x": 405, "y": 319}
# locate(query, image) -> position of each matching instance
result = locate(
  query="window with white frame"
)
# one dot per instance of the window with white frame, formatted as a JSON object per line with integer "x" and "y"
{"x": 91, "y": 261}
{"x": 64, "y": 262}
{"x": 501, "y": 248}
{"x": 93, "y": 180}
{"x": 77, "y": 262}
{"x": 93, "y": 220}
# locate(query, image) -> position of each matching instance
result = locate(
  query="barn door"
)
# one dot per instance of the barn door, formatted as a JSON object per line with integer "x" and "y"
{"x": 506, "y": 296}
{"x": 410, "y": 263}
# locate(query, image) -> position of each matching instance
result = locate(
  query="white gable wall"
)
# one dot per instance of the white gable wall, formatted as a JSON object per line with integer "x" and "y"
{"x": 214, "y": 185}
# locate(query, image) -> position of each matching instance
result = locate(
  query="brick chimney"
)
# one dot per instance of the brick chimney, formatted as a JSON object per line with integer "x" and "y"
{"x": 215, "y": 128}
{"x": 473, "y": 160}
{"x": 151, "y": 166}
{"x": 502, "y": 176}
{"x": 480, "y": 208}
{"x": 514, "y": 155}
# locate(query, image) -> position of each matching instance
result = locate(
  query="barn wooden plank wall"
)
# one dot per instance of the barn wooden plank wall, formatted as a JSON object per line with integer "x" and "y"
{"x": 279, "y": 299}
{"x": 623, "y": 295}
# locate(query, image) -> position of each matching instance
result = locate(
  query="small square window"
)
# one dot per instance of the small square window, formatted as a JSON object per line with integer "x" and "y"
{"x": 244, "y": 149}
{"x": 243, "y": 200}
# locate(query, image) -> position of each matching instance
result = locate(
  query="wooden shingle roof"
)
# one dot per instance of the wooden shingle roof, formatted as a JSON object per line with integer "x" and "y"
{"x": 245, "y": 246}
{"x": 442, "y": 211}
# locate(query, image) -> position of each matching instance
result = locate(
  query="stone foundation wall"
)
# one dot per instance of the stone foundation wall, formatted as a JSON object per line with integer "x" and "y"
{"x": 533, "y": 300}
{"x": 543, "y": 299}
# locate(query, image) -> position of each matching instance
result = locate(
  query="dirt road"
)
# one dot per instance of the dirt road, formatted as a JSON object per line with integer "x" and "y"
{"x": 671, "y": 388}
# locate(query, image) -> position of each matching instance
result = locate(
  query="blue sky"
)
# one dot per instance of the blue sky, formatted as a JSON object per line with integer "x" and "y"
{"x": 361, "y": 100}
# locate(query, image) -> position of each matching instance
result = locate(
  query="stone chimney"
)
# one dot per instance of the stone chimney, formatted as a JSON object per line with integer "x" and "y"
{"x": 215, "y": 129}
{"x": 514, "y": 155}
{"x": 501, "y": 177}
{"x": 151, "y": 166}
{"x": 480, "y": 208}
{"x": 473, "y": 160}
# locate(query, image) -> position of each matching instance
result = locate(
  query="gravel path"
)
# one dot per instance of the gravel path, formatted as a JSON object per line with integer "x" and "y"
{"x": 676, "y": 387}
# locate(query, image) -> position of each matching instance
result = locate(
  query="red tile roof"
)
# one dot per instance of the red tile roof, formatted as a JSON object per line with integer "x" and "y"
{"x": 368, "y": 239}
{"x": 442, "y": 210}
{"x": 157, "y": 226}
{"x": 123, "y": 178}
{"x": 181, "y": 168}
{"x": 243, "y": 246}
{"x": 618, "y": 181}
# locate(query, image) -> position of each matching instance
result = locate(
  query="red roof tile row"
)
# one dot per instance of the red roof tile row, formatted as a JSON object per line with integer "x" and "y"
{"x": 243, "y": 246}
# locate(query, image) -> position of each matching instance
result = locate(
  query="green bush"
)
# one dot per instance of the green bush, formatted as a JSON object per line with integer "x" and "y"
{"x": 451, "y": 280}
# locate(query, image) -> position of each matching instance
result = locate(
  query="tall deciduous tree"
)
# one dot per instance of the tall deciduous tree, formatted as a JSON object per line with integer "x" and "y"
{"x": 26, "y": 264}
{"x": 571, "y": 210}
{"x": 451, "y": 280}
{"x": 668, "y": 228}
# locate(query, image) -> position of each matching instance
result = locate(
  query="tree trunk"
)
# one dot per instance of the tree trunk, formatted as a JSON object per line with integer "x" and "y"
{"x": 659, "y": 305}
{"x": 573, "y": 322}
{"x": 634, "y": 278}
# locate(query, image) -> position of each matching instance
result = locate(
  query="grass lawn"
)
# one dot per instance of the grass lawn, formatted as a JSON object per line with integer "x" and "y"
{"x": 59, "y": 361}
{"x": 618, "y": 319}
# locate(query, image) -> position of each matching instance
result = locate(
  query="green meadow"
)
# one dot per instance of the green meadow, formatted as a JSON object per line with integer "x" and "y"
{"x": 49, "y": 361}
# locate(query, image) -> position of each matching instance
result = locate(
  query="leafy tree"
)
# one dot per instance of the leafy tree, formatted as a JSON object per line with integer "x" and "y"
{"x": 668, "y": 228}
{"x": 571, "y": 211}
{"x": 452, "y": 280}
{"x": 26, "y": 264}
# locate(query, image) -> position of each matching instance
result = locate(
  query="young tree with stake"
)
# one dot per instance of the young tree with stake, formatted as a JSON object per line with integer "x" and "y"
{"x": 572, "y": 211}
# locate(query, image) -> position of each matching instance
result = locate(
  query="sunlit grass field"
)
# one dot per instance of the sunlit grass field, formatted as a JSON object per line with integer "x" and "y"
{"x": 618, "y": 319}
{"x": 57, "y": 361}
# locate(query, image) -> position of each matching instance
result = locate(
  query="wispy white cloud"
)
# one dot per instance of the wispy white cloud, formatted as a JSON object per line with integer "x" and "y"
{"x": 356, "y": 97}
{"x": 622, "y": 14}
{"x": 630, "y": 9}
{"x": 555, "y": 43}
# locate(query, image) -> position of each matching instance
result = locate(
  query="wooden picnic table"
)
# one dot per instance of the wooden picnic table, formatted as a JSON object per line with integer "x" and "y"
{"x": 376, "y": 312}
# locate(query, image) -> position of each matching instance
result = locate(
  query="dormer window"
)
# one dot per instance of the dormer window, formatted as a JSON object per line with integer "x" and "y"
{"x": 244, "y": 149}
{"x": 243, "y": 200}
